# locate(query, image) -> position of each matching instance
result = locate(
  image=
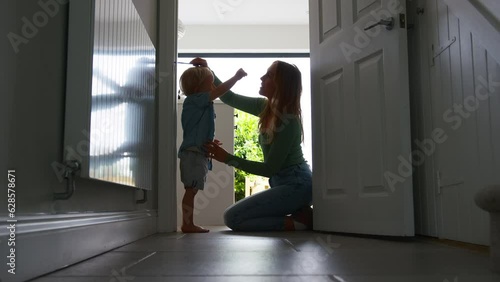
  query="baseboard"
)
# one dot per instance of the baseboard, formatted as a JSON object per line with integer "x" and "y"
{"x": 45, "y": 243}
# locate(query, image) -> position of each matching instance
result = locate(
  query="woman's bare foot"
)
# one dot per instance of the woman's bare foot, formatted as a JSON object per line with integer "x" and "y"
{"x": 304, "y": 216}
{"x": 193, "y": 229}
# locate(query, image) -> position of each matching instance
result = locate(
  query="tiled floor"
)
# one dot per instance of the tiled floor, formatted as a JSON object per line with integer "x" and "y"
{"x": 225, "y": 256}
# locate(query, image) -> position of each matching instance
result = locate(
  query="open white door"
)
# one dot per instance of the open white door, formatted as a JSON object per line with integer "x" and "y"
{"x": 361, "y": 118}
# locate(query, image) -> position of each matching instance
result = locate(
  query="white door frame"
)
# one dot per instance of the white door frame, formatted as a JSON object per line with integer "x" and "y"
{"x": 167, "y": 116}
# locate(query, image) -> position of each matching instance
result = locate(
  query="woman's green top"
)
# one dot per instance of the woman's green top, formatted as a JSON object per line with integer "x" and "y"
{"x": 285, "y": 149}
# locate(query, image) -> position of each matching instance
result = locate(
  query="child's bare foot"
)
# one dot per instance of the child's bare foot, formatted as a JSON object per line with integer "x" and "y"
{"x": 193, "y": 229}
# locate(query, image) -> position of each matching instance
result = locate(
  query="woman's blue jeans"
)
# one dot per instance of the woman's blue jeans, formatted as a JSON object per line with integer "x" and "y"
{"x": 291, "y": 190}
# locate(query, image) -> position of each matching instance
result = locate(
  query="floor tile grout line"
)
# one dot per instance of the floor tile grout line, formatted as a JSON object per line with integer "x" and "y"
{"x": 335, "y": 278}
{"x": 291, "y": 245}
{"x": 142, "y": 259}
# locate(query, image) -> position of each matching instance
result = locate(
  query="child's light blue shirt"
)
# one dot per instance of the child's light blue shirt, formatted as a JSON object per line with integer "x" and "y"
{"x": 198, "y": 121}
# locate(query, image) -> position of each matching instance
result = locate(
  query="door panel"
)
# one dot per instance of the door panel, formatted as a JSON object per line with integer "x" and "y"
{"x": 333, "y": 85}
{"x": 330, "y": 18}
{"x": 364, "y": 7}
{"x": 369, "y": 78}
{"x": 361, "y": 130}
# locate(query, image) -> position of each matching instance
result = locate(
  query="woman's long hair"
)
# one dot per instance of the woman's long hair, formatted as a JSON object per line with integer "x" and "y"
{"x": 284, "y": 103}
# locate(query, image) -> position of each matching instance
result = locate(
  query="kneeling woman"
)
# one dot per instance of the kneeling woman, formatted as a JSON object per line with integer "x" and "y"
{"x": 286, "y": 205}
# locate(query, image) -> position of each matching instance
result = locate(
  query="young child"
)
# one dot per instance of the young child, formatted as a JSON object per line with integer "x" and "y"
{"x": 198, "y": 127}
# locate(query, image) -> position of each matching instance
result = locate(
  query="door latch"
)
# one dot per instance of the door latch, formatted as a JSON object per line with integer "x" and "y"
{"x": 402, "y": 20}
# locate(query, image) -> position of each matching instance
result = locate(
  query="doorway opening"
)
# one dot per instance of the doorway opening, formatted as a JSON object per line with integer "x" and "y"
{"x": 245, "y": 131}
{"x": 230, "y": 36}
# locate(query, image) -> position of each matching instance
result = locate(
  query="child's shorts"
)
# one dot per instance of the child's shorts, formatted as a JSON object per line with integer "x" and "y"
{"x": 194, "y": 169}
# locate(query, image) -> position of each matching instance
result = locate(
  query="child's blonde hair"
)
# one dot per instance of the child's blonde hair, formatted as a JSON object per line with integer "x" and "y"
{"x": 192, "y": 78}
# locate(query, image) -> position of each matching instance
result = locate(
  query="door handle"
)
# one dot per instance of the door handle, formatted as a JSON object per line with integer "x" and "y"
{"x": 389, "y": 24}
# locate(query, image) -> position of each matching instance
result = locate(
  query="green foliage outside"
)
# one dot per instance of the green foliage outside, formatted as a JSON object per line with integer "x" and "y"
{"x": 246, "y": 145}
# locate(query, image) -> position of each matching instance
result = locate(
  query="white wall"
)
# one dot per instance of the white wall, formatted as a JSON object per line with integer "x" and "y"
{"x": 245, "y": 38}
{"x": 33, "y": 80}
{"x": 490, "y": 9}
{"x": 147, "y": 10}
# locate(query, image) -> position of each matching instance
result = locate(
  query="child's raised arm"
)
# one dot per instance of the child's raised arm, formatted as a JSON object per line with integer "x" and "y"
{"x": 225, "y": 86}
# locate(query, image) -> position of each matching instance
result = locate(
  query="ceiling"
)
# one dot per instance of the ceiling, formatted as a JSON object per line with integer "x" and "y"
{"x": 244, "y": 12}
